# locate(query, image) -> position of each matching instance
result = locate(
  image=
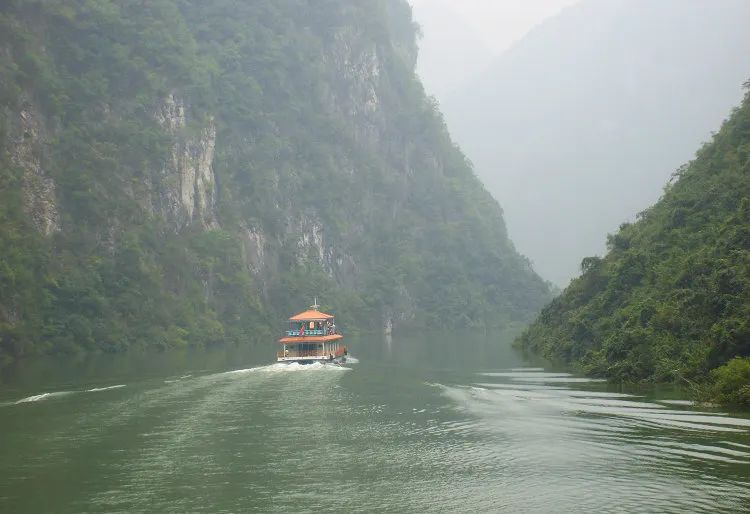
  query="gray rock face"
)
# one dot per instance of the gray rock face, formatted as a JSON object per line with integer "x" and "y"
{"x": 356, "y": 83}
{"x": 253, "y": 248}
{"x": 26, "y": 151}
{"x": 186, "y": 185}
{"x": 310, "y": 242}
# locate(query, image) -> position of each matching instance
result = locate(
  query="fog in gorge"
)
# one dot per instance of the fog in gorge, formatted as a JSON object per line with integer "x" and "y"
{"x": 578, "y": 125}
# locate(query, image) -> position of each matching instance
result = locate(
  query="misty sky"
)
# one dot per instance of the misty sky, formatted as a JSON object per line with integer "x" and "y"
{"x": 498, "y": 23}
{"x": 462, "y": 37}
{"x": 614, "y": 95}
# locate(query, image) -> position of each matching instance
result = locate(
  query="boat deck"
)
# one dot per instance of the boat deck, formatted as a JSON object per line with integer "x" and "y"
{"x": 310, "y": 339}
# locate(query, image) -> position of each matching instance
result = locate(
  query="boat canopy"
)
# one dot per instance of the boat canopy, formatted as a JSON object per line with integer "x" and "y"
{"x": 311, "y": 315}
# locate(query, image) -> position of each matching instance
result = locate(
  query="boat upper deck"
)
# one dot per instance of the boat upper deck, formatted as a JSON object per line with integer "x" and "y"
{"x": 311, "y": 326}
{"x": 310, "y": 339}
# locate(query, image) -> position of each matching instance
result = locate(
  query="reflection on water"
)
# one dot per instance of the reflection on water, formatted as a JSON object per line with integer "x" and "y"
{"x": 615, "y": 451}
{"x": 417, "y": 423}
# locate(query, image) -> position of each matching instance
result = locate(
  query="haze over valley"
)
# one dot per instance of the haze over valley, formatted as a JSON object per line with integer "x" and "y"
{"x": 578, "y": 125}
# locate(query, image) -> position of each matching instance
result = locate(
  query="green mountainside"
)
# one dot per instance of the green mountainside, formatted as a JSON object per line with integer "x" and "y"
{"x": 185, "y": 172}
{"x": 671, "y": 299}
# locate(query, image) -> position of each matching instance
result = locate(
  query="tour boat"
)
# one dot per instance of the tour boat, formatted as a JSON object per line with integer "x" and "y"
{"x": 312, "y": 337}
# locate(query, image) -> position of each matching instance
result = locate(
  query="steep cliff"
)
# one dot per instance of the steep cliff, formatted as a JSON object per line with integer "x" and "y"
{"x": 186, "y": 172}
{"x": 671, "y": 299}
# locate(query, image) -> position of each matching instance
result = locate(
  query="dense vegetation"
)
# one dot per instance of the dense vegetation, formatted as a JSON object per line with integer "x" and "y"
{"x": 671, "y": 299}
{"x": 320, "y": 122}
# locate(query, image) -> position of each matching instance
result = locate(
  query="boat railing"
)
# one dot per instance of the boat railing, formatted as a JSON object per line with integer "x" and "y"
{"x": 296, "y": 354}
{"x": 306, "y": 332}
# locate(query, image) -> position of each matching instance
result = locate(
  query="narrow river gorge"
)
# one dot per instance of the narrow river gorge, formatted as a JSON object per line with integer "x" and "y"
{"x": 412, "y": 424}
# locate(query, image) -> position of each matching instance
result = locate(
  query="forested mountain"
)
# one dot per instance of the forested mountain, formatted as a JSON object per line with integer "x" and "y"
{"x": 671, "y": 299}
{"x": 580, "y": 124}
{"x": 178, "y": 172}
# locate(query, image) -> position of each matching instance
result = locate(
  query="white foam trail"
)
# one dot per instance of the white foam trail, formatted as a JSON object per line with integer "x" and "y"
{"x": 352, "y": 360}
{"x": 97, "y": 389}
{"x": 55, "y": 394}
{"x": 34, "y": 398}
{"x": 736, "y": 444}
{"x": 281, "y": 367}
{"x": 238, "y": 371}
{"x": 43, "y": 396}
{"x": 178, "y": 379}
{"x": 286, "y": 367}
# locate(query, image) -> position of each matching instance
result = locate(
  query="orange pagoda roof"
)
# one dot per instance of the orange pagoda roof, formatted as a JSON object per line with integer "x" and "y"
{"x": 311, "y": 315}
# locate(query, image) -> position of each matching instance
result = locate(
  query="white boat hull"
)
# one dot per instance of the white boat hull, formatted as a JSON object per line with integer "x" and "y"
{"x": 309, "y": 360}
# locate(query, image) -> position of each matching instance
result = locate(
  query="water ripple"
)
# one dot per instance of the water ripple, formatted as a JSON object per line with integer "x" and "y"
{"x": 320, "y": 438}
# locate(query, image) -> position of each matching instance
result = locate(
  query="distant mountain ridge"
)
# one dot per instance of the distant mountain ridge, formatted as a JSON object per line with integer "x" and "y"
{"x": 579, "y": 125}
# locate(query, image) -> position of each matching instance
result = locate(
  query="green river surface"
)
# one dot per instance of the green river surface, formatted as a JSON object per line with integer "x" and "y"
{"x": 425, "y": 423}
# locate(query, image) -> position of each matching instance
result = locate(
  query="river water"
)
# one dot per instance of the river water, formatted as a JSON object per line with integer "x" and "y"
{"x": 459, "y": 423}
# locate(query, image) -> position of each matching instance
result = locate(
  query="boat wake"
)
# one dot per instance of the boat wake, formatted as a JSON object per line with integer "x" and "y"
{"x": 43, "y": 396}
{"x": 57, "y": 394}
{"x": 97, "y": 389}
{"x": 178, "y": 379}
{"x": 279, "y": 367}
{"x": 291, "y": 367}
